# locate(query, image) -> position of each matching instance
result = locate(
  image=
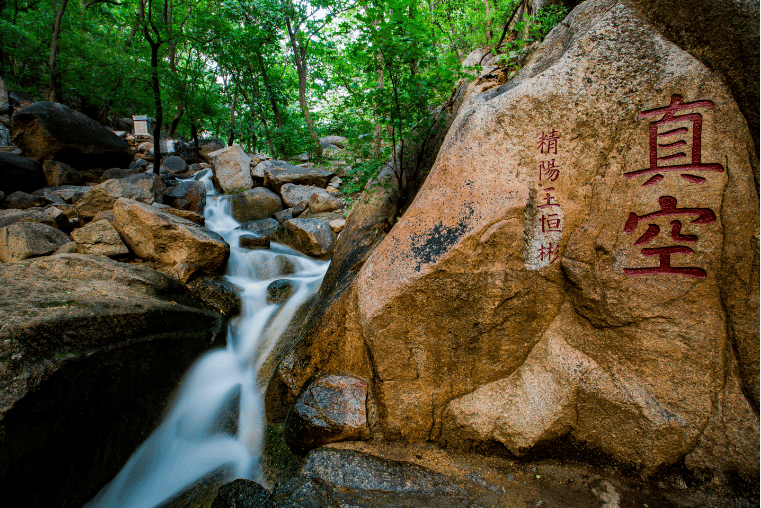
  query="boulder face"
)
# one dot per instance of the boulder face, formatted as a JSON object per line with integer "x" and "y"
{"x": 51, "y": 131}
{"x": 231, "y": 168}
{"x": 310, "y": 236}
{"x": 119, "y": 337}
{"x": 24, "y": 240}
{"x": 167, "y": 239}
{"x": 584, "y": 251}
{"x": 278, "y": 173}
{"x": 102, "y": 197}
{"x": 255, "y": 204}
{"x": 20, "y": 173}
{"x": 99, "y": 238}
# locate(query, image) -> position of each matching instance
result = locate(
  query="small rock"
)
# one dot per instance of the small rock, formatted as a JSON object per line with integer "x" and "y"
{"x": 139, "y": 164}
{"x": 255, "y": 204}
{"x": 278, "y": 173}
{"x": 187, "y": 195}
{"x": 283, "y": 215}
{"x": 324, "y": 202}
{"x": 262, "y": 227}
{"x": 278, "y": 291}
{"x": 21, "y": 201}
{"x": 99, "y": 238}
{"x": 337, "y": 225}
{"x": 117, "y": 173}
{"x": 58, "y": 174}
{"x": 253, "y": 241}
{"x": 67, "y": 248}
{"x": 175, "y": 164}
{"x": 217, "y": 293}
{"x": 294, "y": 194}
{"x": 311, "y": 236}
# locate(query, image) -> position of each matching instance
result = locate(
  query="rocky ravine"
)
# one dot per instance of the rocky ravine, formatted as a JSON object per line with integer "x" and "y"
{"x": 581, "y": 265}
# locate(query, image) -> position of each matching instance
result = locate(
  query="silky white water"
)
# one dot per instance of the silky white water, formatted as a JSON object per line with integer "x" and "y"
{"x": 190, "y": 443}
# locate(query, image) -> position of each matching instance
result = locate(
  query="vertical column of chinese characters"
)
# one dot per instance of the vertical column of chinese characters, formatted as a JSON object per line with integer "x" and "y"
{"x": 549, "y": 211}
{"x": 674, "y": 147}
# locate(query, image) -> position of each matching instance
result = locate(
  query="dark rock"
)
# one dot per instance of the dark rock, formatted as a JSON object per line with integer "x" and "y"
{"x": 51, "y": 131}
{"x": 218, "y": 293}
{"x": 277, "y": 173}
{"x": 151, "y": 182}
{"x": 48, "y": 217}
{"x": 313, "y": 237}
{"x": 20, "y": 173}
{"x": 58, "y": 174}
{"x": 206, "y": 146}
{"x": 332, "y": 408}
{"x": 279, "y": 290}
{"x": 254, "y": 241}
{"x": 118, "y": 336}
{"x": 187, "y": 195}
{"x": 283, "y": 215}
{"x": 262, "y": 227}
{"x": 175, "y": 164}
{"x": 304, "y": 492}
{"x": 300, "y": 208}
{"x": 21, "y": 201}
{"x": 139, "y": 164}
{"x": 68, "y": 193}
{"x": 255, "y": 204}
{"x": 242, "y": 494}
{"x": 118, "y": 173}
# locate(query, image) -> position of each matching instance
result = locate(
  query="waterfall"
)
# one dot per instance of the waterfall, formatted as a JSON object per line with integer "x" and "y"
{"x": 190, "y": 443}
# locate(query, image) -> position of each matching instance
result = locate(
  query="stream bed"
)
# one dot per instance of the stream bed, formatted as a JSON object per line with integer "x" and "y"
{"x": 196, "y": 437}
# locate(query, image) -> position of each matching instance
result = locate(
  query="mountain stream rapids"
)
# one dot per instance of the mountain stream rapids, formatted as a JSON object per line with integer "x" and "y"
{"x": 189, "y": 444}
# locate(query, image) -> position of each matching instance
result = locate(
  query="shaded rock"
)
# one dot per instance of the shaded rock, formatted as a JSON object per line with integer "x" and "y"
{"x": 118, "y": 173}
{"x": 99, "y": 238}
{"x": 242, "y": 494}
{"x": 218, "y": 293}
{"x": 120, "y": 337}
{"x": 183, "y": 214}
{"x": 151, "y": 182}
{"x": 21, "y": 201}
{"x": 68, "y": 193}
{"x": 51, "y": 131}
{"x": 310, "y": 236}
{"x": 105, "y": 215}
{"x": 263, "y": 227}
{"x": 253, "y": 241}
{"x": 139, "y": 164}
{"x": 91, "y": 176}
{"x": 50, "y": 196}
{"x": 20, "y": 173}
{"x": 283, "y": 215}
{"x": 255, "y": 204}
{"x": 67, "y": 248}
{"x": 102, "y": 197}
{"x": 58, "y": 174}
{"x": 304, "y": 492}
{"x": 319, "y": 202}
{"x": 332, "y": 408}
{"x": 339, "y": 141}
{"x": 24, "y": 240}
{"x": 231, "y": 168}
{"x": 207, "y": 146}
{"x": 278, "y": 173}
{"x": 175, "y": 164}
{"x": 50, "y": 217}
{"x": 279, "y": 290}
{"x": 294, "y": 194}
{"x": 331, "y": 151}
{"x": 165, "y": 238}
{"x": 187, "y": 195}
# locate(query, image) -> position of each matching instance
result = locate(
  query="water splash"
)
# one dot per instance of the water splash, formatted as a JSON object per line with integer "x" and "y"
{"x": 193, "y": 441}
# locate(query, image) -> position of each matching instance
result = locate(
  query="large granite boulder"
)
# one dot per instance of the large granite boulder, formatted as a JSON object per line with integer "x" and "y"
{"x": 255, "y": 204}
{"x": 24, "y": 240}
{"x": 20, "y": 173}
{"x": 102, "y": 197}
{"x": 90, "y": 350}
{"x": 294, "y": 194}
{"x": 51, "y": 131}
{"x": 231, "y": 168}
{"x": 167, "y": 239}
{"x": 585, "y": 270}
{"x": 99, "y": 238}
{"x": 277, "y": 173}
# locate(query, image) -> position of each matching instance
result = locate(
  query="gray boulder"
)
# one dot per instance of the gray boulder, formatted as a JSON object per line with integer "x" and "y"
{"x": 174, "y": 164}
{"x": 294, "y": 194}
{"x": 21, "y": 201}
{"x": 278, "y": 173}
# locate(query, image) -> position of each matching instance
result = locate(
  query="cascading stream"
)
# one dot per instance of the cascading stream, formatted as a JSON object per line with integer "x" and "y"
{"x": 191, "y": 442}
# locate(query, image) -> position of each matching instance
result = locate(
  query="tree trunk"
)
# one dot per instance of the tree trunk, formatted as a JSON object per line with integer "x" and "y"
{"x": 233, "y": 106}
{"x": 299, "y": 59}
{"x": 268, "y": 87}
{"x": 54, "y": 94}
{"x": 489, "y": 33}
{"x": 159, "y": 107}
{"x": 196, "y": 148}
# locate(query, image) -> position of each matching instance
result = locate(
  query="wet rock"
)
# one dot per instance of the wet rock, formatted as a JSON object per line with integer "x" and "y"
{"x": 175, "y": 164}
{"x": 310, "y": 236}
{"x": 242, "y": 494}
{"x": 102, "y": 197}
{"x": 294, "y": 194}
{"x": 319, "y": 203}
{"x": 231, "y": 168}
{"x": 24, "y": 240}
{"x": 218, "y": 293}
{"x": 20, "y": 173}
{"x": 253, "y": 241}
{"x": 263, "y": 227}
{"x": 118, "y": 336}
{"x": 99, "y": 238}
{"x": 187, "y": 195}
{"x": 51, "y": 131}
{"x": 118, "y": 173}
{"x": 278, "y": 173}
{"x": 332, "y": 408}
{"x": 279, "y": 290}
{"x": 58, "y": 174}
{"x": 304, "y": 492}
{"x": 165, "y": 238}
{"x": 21, "y": 201}
{"x": 255, "y": 204}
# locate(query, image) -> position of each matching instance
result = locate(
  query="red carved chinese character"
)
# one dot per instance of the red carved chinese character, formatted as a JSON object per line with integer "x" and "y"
{"x": 668, "y": 207}
{"x": 665, "y": 140}
{"x": 548, "y": 198}
{"x": 550, "y": 223}
{"x": 549, "y": 142}
{"x": 549, "y": 169}
{"x": 550, "y": 252}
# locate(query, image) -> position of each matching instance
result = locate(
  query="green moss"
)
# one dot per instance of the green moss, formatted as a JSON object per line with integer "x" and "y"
{"x": 68, "y": 303}
{"x": 278, "y": 461}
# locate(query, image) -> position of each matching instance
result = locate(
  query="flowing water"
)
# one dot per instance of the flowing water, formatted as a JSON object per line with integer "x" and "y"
{"x": 192, "y": 442}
